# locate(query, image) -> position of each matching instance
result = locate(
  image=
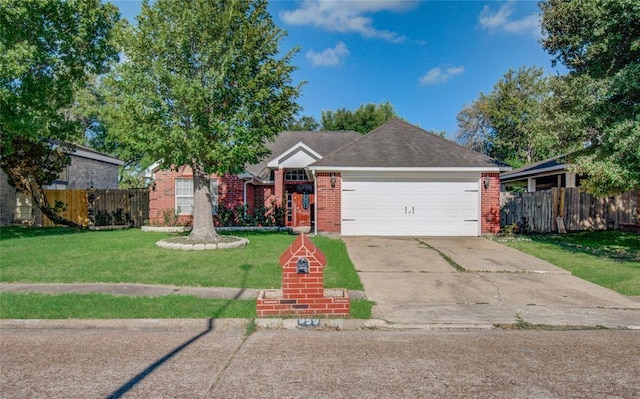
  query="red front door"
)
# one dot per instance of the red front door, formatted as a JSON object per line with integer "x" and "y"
{"x": 301, "y": 206}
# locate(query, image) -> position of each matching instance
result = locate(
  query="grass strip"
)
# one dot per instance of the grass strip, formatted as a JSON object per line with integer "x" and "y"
{"x": 104, "y": 306}
{"x": 444, "y": 256}
{"x": 620, "y": 276}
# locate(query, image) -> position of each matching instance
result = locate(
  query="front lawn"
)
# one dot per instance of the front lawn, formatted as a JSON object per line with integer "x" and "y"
{"x": 61, "y": 255}
{"x": 607, "y": 258}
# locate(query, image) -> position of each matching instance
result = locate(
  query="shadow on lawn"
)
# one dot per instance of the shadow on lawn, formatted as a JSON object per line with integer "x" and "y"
{"x": 126, "y": 387}
{"x": 8, "y": 233}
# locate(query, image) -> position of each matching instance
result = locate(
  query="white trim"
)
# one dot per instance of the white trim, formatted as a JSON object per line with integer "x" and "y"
{"x": 149, "y": 171}
{"x": 315, "y": 203}
{"x": 275, "y": 162}
{"x": 480, "y": 194}
{"x": 405, "y": 169}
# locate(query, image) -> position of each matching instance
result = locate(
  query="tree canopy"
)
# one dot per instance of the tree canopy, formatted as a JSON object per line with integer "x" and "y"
{"x": 599, "y": 42}
{"x": 201, "y": 84}
{"x": 509, "y": 123}
{"x": 363, "y": 120}
{"x": 49, "y": 49}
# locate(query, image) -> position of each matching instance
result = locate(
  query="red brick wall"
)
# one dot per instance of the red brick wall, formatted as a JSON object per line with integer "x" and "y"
{"x": 328, "y": 216}
{"x": 230, "y": 191}
{"x": 162, "y": 200}
{"x": 279, "y": 185}
{"x": 263, "y": 196}
{"x": 490, "y": 204}
{"x": 302, "y": 294}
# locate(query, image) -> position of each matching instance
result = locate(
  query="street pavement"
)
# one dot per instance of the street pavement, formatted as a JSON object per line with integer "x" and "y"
{"x": 203, "y": 359}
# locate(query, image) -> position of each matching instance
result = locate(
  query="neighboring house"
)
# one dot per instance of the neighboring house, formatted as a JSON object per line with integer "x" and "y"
{"x": 88, "y": 168}
{"x": 543, "y": 175}
{"x": 396, "y": 180}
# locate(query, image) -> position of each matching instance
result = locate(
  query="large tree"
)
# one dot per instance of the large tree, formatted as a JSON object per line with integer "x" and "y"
{"x": 48, "y": 51}
{"x": 202, "y": 84}
{"x": 599, "y": 42}
{"x": 509, "y": 123}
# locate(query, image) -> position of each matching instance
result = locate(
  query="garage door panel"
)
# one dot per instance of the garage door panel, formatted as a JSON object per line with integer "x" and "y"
{"x": 410, "y": 207}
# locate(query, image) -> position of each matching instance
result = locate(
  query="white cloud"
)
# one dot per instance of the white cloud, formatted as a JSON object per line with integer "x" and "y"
{"x": 346, "y": 16}
{"x": 438, "y": 75}
{"x": 501, "y": 20}
{"x": 329, "y": 57}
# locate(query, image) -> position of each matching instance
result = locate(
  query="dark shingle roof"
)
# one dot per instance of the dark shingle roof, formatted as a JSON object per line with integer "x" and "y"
{"x": 322, "y": 142}
{"x": 400, "y": 144}
{"x": 558, "y": 162}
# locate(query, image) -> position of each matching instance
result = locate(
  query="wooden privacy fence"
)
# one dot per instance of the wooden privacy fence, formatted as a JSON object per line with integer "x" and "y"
{"x": 102, "y": 207}
{"x": 75, "y": 203}
{"x": 578, "y": 210}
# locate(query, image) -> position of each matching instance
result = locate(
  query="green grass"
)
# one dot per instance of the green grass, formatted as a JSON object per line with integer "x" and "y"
{"x": 608, "y": 258}
{"x": 102, "y": 306}
{"x": 59, "y": 255}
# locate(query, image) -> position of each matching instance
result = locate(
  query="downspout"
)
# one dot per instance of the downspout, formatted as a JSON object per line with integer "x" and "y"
{"x": 315, "y": 202}
{"x": 244, "y": 197}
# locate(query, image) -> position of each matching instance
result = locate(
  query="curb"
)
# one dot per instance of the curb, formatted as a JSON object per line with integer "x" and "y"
{"x": 310, "y": 324}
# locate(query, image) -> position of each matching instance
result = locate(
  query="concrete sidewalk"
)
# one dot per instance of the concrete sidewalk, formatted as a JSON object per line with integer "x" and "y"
{"x": 127, "y": 289}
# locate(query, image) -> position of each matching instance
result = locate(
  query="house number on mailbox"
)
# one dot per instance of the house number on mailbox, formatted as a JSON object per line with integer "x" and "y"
{"x": 302, "y": 266}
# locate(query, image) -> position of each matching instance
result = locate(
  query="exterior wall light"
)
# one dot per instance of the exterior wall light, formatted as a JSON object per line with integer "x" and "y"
{"x": 487, "y": 182}
{"x": 333, "y": 180}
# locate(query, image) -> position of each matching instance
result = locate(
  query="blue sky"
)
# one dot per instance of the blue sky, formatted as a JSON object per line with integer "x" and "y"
{"x": 427, "y": 58}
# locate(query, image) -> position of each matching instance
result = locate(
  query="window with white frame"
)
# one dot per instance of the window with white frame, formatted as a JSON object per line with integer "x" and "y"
{"x": 24, "y": 207}
{"x": 296, "y": 175}
{"x": 184, "y": 196}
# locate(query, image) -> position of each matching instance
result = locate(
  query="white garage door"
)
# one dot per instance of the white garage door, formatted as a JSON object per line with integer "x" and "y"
{"x": 410, "y": 208}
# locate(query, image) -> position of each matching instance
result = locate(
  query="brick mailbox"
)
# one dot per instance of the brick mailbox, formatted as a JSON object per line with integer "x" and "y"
{"x": 303, "y": 291}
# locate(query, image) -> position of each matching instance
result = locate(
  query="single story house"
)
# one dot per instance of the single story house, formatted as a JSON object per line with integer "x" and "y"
{"x": 542, "y": 175}
{"x": 397, "y": 180}
{"x": 88, "y": 168}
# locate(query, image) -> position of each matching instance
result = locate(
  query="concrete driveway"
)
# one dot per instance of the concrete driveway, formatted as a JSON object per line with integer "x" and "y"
{"x": 412, "y": 282}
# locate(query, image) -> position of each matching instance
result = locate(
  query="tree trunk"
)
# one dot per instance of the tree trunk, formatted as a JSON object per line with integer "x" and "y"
{"x": 202, "y": 229}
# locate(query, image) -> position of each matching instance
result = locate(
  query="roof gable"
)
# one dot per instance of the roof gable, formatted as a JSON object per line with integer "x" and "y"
{"x": 398, "y": 144}
{"x": 298, "y": 156}
{"x": 319, "y": 142}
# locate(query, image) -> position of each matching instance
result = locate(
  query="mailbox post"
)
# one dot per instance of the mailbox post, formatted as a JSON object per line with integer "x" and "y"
{"x": 303, "y": 290}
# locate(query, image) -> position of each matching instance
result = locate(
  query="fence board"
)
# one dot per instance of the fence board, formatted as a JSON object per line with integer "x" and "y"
{"x": 102, "y": 207}
{"x": 139, "y": 206}
{"x": 76, "y": 206}
{"x": 579, "y": 211}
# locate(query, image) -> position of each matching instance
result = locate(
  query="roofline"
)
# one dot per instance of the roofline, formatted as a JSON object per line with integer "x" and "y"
{"x": 530, "y": 172}
{"x": 97, "y": 156}
{"x": 275, "y": 162}
{"x": 406, "y": 169}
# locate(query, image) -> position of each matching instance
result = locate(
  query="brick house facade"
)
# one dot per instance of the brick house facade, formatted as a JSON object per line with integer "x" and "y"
{"x": 321, "y": 179}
